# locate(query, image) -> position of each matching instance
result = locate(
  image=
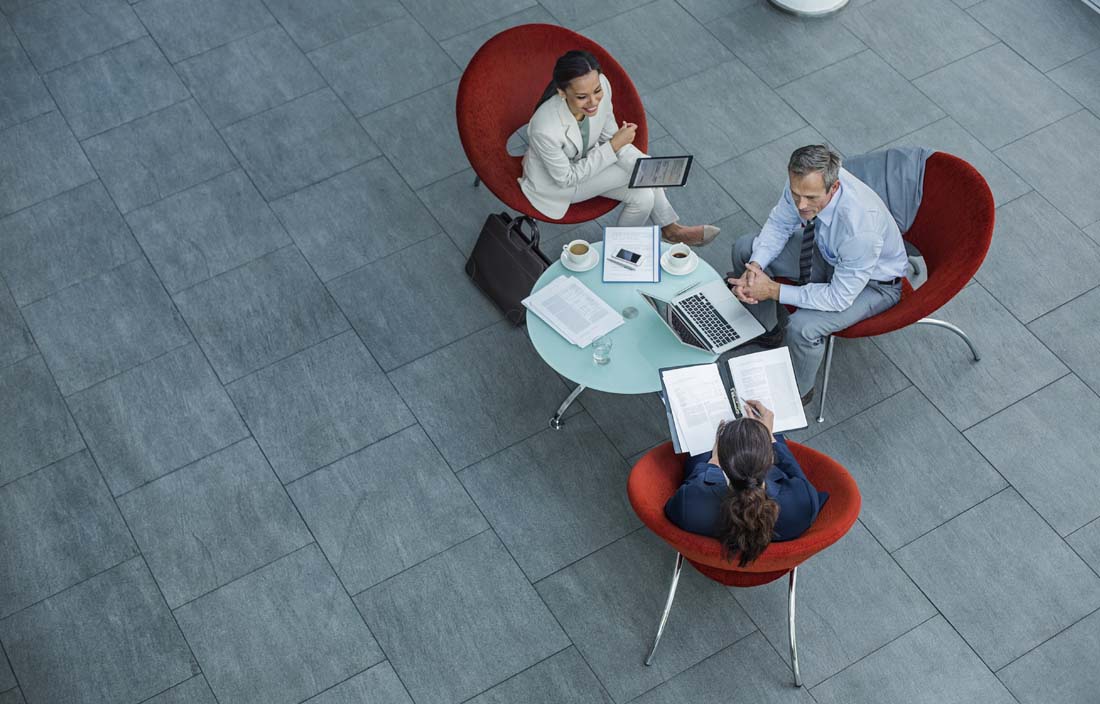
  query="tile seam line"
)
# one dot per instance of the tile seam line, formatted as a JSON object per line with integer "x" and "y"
{"x": 1055, "y": 308}
{"x": 349, "y": 678}
{"x": 367, "y": 115}
{"x": 343, "y": 457}
{"x": 409, "y": 16}
{"x": 395, "y": 252}
{"x": 31, "y": 118}
{"x": 962, "y": 432}
{"x": 200, "y": 673}
{"x": 98, "y": 54}
{"x": 439, "y": 40}
{"x": 251, "y": 572}
{"x": 194, "y": 339}
{"x": 1067, "y": 536}
{"x": 204, "y": 52}
{"x": 775, "y": 89}
{"x": 534, "y": 4}
{"x": 852, "y": 664}
{"x": 268, "y": 109}
{"x": 924, "y": 594}
{"x": 517, "y": 674}
{"x": 127, "y": 370}
{"x": 585, "y": 28}
{"x": 173, "y": 64}
{"x": 328, "y": 563}
{"x": 1070, "y": 61}
{"x": 93, "y": 135}
{"x": 122, "y": 517}
{"x": 487, "y": 529}
{"x": 1039, "y": 645}
{"x": 969, "y": 11}
{"x": 51, "y": 464}
{"x": 169, "y": 473}
{"x": 715, "y": 654}
{"x": 42, "y": 73}
{"x": 1063, "y": 375}
{"x": 136, "y": 555}
{"x": 996, "y": 40}
{"x": 1032, "y": 133}
{"x": 406, "y": 16}
{"x": 87, "y": 278}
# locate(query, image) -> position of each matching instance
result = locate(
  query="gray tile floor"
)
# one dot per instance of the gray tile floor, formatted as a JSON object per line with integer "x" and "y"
{"x": 264, "y": 442}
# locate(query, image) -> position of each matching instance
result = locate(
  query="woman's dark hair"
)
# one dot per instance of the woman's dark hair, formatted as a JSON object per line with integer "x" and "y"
{"x": 747, "y": 515}
{"x": 570, "y": 65}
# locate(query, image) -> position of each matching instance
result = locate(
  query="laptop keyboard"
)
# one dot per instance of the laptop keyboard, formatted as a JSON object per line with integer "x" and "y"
{"x": 703, "y": 313}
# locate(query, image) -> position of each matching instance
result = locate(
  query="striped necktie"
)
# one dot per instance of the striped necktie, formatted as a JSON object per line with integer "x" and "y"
{"x": 806, "y": 258}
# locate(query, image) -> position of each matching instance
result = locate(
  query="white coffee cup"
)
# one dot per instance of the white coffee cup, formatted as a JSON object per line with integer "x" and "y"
{"x": 577, "y": 252}
{"x": 679, "y": 257}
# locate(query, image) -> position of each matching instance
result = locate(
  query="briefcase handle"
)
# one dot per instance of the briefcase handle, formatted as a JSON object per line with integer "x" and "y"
{"x": 530, "y": 240}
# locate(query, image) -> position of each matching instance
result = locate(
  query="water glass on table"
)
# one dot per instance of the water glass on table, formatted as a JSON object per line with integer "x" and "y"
{"x": 601, "y": 350}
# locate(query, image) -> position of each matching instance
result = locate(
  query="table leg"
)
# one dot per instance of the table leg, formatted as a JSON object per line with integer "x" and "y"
{"x": 557, "y": 421}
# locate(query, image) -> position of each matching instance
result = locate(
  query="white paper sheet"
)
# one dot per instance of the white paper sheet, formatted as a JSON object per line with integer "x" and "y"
{"x": 641, "y": 240}
{"x": 699, "y": 402}
{"x": 573, "y": 310}
{"x": 768, "y": 377}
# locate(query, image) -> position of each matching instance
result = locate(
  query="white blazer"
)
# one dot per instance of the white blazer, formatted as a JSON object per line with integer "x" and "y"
{"x": 553, "y": 165}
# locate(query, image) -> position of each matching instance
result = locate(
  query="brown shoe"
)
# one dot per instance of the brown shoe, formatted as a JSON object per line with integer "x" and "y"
{"x": 771, "y": 339}
{"x": 808, "y": 398}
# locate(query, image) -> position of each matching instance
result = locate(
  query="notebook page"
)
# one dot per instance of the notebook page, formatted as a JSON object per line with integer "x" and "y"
{"x": 768, "y": 377}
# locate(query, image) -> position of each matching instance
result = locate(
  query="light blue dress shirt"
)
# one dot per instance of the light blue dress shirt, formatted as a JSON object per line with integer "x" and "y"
{"x": 856, "y": 235}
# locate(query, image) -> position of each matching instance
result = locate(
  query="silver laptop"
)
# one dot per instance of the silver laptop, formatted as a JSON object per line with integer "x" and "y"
{"x": 706, "y": 316}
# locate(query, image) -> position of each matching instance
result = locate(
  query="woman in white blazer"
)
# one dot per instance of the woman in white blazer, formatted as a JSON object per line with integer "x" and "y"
{"x": 577, "y": 151}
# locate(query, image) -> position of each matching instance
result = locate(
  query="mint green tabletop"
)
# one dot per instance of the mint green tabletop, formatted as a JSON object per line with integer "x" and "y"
{"x": 640, "y": 346}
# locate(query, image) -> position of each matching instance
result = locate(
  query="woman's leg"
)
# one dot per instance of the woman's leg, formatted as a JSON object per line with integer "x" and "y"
{"x": 638, "y": 203}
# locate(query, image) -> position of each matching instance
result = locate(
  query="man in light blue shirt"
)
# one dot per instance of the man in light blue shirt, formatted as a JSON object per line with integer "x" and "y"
{"x": 834, "y": 235}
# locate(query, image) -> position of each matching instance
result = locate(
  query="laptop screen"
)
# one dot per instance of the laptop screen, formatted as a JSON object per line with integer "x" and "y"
{"x": 674, "y": 322}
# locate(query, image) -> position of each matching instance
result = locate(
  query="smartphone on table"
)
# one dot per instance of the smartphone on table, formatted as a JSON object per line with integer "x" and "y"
{"x": 631, "y": 260}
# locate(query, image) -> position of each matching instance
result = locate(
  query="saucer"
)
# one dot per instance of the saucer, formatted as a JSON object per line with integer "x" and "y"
{"x": 593, "y": 260}
{"x": 694, "y": 262}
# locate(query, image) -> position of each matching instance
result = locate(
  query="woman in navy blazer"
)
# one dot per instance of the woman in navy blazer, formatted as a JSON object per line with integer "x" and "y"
{"x": 748, "y": 491}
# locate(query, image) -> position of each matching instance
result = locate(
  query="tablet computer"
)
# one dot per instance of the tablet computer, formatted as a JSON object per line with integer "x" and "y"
{"x": 660, "y": 171}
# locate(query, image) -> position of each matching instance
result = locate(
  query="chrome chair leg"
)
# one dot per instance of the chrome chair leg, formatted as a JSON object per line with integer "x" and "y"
{"x": 668, "y": 607}
{"x": 955, "y": 329}
{"x": 825, "y": 382}
{"x": 790, "y": 627}
{"x": 557, "y": 420}
{"x": 477, "y": 181}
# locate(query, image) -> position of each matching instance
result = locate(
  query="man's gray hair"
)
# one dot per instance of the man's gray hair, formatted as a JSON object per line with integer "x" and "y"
{"x": 813, "y": 158}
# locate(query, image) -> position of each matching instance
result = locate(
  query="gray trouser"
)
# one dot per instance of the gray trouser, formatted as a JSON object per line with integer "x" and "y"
{"x": 808, "y": 329}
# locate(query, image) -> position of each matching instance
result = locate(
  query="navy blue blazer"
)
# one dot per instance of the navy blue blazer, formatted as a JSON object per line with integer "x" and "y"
{"x": 695, "y": 505}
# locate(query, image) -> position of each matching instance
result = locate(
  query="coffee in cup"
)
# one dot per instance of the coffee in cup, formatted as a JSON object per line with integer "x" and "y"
{"x": 679, "y": 256}
{"x": 577, "y": 252}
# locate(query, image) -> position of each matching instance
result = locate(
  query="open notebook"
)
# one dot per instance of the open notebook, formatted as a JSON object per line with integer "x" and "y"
{"x": 700, "y": 396}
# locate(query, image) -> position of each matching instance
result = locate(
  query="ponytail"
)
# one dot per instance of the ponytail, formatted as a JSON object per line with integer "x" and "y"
{"x": 570, "y": 65}
{"x": 747, "y": 519}
{"x": 747, "y": 515}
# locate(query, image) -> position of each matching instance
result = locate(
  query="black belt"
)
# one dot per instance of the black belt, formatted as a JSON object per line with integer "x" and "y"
{"x": 891, "y": 282}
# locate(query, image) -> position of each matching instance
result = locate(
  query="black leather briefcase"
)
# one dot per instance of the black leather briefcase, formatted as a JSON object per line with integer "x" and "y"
{"x": 506, "y": 262}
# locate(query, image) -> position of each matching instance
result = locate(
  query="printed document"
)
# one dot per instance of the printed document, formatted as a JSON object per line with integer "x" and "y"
{"x": 698, "y": 401}
{"x": 573, "y": 310}
{"x": 697, "y": 397}
{"x": 768, "y": 377}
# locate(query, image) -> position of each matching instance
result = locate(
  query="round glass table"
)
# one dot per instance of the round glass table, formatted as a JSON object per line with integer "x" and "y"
{"x": 640, "y": 346}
